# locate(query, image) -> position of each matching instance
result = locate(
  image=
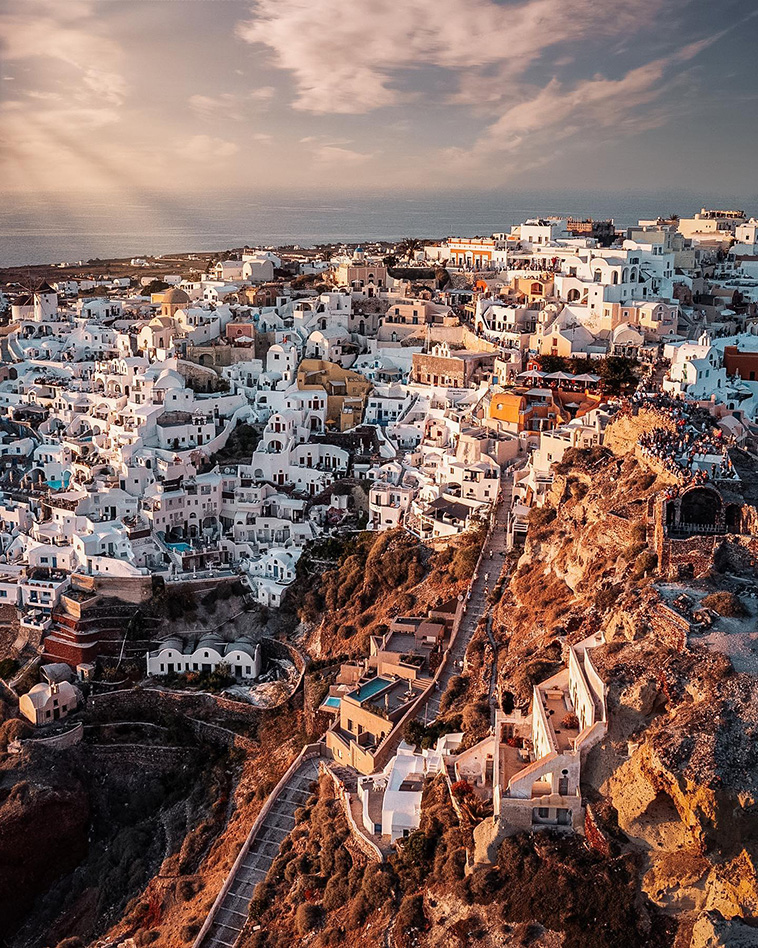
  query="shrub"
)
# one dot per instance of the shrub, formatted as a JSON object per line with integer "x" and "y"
{"x": 376, "y": 887}
{"x": 541, "y": 517}
{"x": 607, "y": 596}
{"x": 12, "y": 729}
{"x": 727, "y": 604}
{"x": 307, "y": 917}
{"x": 646, "y": 562}
{"x": 7, "y": 667}
{"x": 456, "y": 689}
{"x": 335, "y": 893}
{"x": 358, "y": 912}
{"x": 410, "y": 917}
{"x": 189, "y": 931}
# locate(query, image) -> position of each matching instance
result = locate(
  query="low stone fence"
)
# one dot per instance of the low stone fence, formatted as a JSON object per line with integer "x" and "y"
{"x": 670, "y": 627}
{"x": 151, "y": 702}
{"x": 204, "y": 730}
{"x": 56, "y": 742}
{"x": 366, "y": 846}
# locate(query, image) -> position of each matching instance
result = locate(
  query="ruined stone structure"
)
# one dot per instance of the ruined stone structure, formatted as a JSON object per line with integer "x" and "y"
{"x": 698, "y": 525}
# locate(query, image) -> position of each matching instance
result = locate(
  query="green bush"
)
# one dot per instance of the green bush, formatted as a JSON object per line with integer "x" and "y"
{"x": 541, "y": 517}
{"x": 727, "y": 604}
{"x": 307, "y": 917}
{"x": 646, "y": 562}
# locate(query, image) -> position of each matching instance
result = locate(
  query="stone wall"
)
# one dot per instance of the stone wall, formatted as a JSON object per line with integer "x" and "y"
{"x": 669, "y": 627}
{"x": 133, "y": 589}
{"x": 151, "y": 704}
{"x": 447, "y": 371}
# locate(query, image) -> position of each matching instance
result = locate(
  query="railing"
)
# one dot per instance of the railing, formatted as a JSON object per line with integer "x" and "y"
{"x": 309, "y": 751}
{"x": 695, "y": 528}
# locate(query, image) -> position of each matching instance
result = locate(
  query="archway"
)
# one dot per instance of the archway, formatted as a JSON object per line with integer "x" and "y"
{"x": 734, "y": 518}
{"x": 700, "y": 508}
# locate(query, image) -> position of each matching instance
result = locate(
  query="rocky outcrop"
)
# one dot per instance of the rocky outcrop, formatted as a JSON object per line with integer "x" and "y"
{"x": 713, "y": 931}
{"x": 43, "y": 835}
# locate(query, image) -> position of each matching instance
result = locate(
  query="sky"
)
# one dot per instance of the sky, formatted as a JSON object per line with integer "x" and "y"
{"x": 129, "y": 97}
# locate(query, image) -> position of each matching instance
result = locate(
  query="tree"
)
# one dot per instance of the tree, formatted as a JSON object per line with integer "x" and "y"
{"x": 155, "y": 286}
{"x": 409, "y": 246}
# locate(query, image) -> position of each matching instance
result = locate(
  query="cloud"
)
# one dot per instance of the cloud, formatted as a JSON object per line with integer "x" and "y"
{"x": 207, "y": 148}
{"x": 560, "y": 111}
{"x": 70, "y": 34}
{"x": 263, "y": 94}
{"x": 209, "y": 107}
{"x": 338, "y": 155}
{"x": 343, "y": 58}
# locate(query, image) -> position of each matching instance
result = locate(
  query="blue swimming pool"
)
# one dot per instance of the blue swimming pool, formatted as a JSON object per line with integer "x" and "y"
{"x": 180, "y": 547}
{"x": 370, "y": 689}
{"x": 333, "y": 701}
{"x": 57, "y": 484}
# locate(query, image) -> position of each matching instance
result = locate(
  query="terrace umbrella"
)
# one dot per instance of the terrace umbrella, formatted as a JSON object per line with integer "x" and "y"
{"x": 532, "y": 374}
{"x": 560, "y": 377}
{"x": 587, "y": 377}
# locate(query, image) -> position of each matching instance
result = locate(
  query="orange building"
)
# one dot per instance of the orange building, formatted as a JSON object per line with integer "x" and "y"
{"x": 539, "y": 409}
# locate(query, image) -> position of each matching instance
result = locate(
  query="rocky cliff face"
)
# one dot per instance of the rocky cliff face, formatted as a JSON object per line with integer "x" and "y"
{"x": 676, "y": 779}
{"x": 44, "y": 823}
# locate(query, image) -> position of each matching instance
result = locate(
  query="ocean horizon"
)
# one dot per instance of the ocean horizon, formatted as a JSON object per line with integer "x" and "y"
{"x": 36, "y": 230}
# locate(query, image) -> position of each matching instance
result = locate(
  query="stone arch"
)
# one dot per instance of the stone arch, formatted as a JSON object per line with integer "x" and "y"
{"x": 573, "y": 295}
{"x": 700, "y": 507}
{"x": 733, "y": 518}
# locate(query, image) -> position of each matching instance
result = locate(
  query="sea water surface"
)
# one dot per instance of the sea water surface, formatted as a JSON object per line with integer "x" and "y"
{"x": 48, "y": 229}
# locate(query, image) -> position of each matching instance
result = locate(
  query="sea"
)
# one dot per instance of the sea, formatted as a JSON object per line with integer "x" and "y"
{"x": 48, "y": 229}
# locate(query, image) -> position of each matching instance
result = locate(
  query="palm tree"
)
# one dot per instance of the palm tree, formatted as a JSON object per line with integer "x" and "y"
{"x": 409, "y": 246}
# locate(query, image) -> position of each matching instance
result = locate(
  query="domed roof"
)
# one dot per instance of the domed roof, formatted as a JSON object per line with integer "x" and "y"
{"x": 175, "y": 295}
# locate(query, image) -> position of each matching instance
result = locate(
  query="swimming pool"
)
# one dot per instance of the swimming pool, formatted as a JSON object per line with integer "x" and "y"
{"x": 333, "y": 701}
{"x": 57, "y": 484}
{"x": 180, "y": 547}
{"x": 370, "y": 689}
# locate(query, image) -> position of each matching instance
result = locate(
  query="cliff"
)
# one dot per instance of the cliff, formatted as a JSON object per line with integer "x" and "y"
{"x": 675, "y": 782}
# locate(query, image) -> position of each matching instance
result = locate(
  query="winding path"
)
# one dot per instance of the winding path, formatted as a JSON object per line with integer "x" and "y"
{"x": 483, "y": 583}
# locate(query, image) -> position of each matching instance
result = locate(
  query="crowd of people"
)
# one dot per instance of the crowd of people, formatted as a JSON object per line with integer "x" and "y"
{"x": 691, "y": 448}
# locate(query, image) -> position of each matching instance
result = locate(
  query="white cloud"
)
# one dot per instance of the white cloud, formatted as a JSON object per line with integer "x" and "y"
{"x": 348, "y": 57}
{"x": 560, "y": 111}
{"x": 69, "y": 34}
{"x": 338, "y": 155}
{"x": 225, "y": 105}
{"x": 207, "y": 148}
{"x": 263, "y": 94}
